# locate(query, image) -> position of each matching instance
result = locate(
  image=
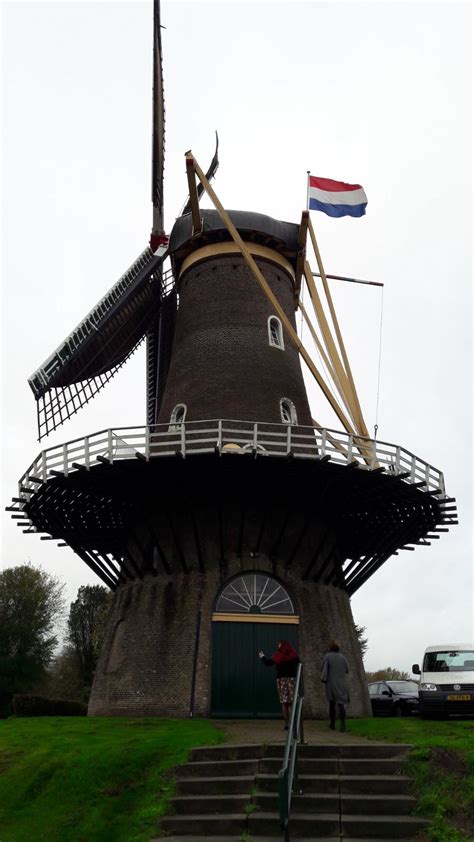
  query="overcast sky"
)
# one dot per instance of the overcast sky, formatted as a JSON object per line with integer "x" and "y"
{"x": 371, "y": 93}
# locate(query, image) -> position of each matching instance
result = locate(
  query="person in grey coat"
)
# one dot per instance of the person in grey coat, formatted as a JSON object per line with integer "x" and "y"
{"x": 334, "y": 672}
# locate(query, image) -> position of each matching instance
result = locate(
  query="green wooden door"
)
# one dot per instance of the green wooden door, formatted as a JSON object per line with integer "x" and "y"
{"x": 243, "y": 687}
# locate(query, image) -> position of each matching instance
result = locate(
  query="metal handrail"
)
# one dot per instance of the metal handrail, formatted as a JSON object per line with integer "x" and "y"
{"x": 287, "y": 776}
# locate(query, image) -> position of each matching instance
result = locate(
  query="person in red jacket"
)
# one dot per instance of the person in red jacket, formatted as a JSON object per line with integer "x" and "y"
{"x": 286, "y": 661}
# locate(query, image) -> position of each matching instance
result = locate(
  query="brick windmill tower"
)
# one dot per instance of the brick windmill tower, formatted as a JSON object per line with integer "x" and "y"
{"x": 232, "y": 519}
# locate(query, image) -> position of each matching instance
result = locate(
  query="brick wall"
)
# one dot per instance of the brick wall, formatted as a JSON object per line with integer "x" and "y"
{"x": 222, "y": 365}
{"x": 146, "y": 667}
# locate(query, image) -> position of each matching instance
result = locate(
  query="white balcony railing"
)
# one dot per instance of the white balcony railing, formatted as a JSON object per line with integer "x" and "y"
{"x": 229, "y": 438}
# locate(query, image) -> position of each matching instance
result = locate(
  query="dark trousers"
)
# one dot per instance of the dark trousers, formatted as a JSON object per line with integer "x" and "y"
{"x": 332, "y": 713}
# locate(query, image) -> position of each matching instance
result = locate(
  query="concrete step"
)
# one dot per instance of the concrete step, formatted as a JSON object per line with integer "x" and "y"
{"x": 346, "y": 784}
{"x": 312, "y": 803}
{"x": 308, "y": 783}
{"x": 174, "y": 838}
{"x": 205, "y": 838}
{"x": 373, "y": 805}
{"x": 387, "y": 766}
{"x": 317, "y": 825}
{"x": 215, "y": 786}
{"x": 212, "y": 769}
{"x": 354, "y": 827}
{"x": 333, "y": 802}
{"x": 209, "y": 804}
{"x": 335, "y": 766}
{"x": 272, "y": 765}
{"x": 253, "y": 751}
{"x": 371, "y": 784}
{"x": 230, "y": 752}
{"x": 393, "y": 827}
{"x": 376, "y": 751}
{"x": 231, "y": 824}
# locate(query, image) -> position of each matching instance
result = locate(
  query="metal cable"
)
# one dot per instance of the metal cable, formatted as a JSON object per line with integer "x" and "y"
{"x": 376, "y": 425}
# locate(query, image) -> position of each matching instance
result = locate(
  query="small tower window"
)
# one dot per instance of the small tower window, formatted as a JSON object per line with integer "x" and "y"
{"x": 275, "y": 333}
{"x": 288, "y": 411}
{"x": 177, "y": 417}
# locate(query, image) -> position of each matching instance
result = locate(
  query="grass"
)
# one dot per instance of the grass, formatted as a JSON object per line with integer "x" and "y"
{"x": 90, "y": 780}
{"x": 74, "y": 779}
{"x": 442, "y": 766}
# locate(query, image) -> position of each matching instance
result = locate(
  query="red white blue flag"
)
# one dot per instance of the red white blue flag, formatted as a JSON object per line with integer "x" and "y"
{"x": 336, "y": 198}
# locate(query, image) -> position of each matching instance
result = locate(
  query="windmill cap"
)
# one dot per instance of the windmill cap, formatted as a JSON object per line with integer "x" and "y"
{"x": 253, "y": 227}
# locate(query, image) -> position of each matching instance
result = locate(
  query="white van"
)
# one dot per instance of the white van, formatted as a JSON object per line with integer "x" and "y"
{"x": 446, "y": 680}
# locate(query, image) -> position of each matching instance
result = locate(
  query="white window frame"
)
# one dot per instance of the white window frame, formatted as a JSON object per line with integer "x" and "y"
{"x": 175, "y": 424}
{"x": 286, "y": 404}
{"x": 271, "y": 341}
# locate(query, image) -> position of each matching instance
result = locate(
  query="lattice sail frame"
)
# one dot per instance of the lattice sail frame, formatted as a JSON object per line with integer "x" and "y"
{"x": 101, "y": 343}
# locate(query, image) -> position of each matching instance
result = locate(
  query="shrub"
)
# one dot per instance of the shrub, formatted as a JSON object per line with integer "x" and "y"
{"x": 28, "y": 705}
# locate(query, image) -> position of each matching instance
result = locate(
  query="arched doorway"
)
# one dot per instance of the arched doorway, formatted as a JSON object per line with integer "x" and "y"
{"x": 252, "y": 612}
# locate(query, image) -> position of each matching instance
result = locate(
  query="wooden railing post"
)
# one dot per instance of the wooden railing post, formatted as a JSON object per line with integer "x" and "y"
{"x": 87, "y": 459}
{"x": 147, "y": 444}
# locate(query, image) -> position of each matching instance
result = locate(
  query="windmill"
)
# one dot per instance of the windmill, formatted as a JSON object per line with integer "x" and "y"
{"x": 231, "y": 518}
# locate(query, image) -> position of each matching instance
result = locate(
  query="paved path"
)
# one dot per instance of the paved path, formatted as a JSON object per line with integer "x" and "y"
{"x": 246, "y": 731}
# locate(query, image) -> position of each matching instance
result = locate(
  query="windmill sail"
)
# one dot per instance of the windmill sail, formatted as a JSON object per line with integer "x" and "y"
{"x": 158, "y": 150}
{"x": 94, "y": 351}
{"x": 132, "y": 309}
{"x": 141, "y": 304}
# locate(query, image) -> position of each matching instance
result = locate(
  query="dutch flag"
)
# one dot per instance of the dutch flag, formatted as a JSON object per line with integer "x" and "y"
{"x": 336, "y": 198}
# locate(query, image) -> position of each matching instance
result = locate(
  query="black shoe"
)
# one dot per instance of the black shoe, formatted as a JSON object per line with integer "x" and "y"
{"x": 332, "y": 726}
{"x": 286, "y": 727}
{"x": 343, "y": 726}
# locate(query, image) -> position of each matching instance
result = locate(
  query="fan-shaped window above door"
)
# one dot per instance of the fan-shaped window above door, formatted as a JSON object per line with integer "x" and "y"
{"x": 254, "y": 593}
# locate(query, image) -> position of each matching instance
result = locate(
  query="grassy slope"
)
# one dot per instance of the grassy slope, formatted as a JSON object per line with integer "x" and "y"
{"x": 67, "y": 779}
{"x": 442, "y": 764}
{"x": 90, "y": 780}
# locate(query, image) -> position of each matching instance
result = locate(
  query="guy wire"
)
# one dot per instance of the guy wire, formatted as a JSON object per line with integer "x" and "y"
{"x": 380, "y": 363}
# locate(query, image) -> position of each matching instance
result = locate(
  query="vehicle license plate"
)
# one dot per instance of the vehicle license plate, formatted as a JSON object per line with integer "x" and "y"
{"x": 465, "y": 698}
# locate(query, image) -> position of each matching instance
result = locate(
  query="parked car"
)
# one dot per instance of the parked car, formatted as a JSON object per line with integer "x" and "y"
{"x": 394, "y": 698}
{"x": 446, "y": 680}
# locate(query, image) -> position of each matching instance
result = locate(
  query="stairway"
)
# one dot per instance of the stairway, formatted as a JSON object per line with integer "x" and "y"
{"x": 345, "y": 791}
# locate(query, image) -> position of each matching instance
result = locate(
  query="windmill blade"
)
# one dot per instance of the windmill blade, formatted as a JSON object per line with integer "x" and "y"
{"x": 90, "y": 356}
{"x": 158, "y": 148}
{"x": 209, "y": 175}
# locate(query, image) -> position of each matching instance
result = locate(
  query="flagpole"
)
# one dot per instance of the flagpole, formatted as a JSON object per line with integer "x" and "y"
{"x": 307, "y": 189}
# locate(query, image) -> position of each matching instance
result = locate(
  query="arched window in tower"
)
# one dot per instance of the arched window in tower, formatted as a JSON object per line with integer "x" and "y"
{"x": 288, "y": 411}
{"x": 177, "y": 417}
{"x": 254, "y": 593}
{"x": 275, "y": 333}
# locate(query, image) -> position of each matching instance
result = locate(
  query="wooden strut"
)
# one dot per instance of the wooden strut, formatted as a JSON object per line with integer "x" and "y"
{"x": 269, "y": 294}
{"x": 327, "y": 362}
{"x": 361, "y": 423}
{"x": 341, "y": 379}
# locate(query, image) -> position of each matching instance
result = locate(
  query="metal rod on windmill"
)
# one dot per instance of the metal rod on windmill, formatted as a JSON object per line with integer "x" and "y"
{"x": 348, "y": 280}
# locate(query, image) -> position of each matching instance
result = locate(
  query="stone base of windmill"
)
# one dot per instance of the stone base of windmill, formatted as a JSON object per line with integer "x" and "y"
{"x": 187, "y": 645}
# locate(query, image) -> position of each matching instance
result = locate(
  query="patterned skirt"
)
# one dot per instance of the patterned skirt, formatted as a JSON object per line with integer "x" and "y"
{"x": 286, "y": 690}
